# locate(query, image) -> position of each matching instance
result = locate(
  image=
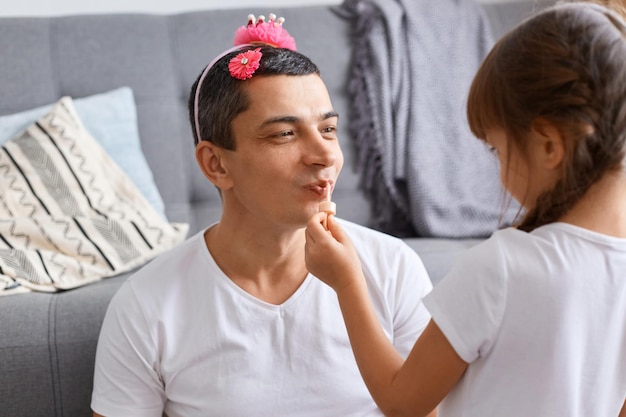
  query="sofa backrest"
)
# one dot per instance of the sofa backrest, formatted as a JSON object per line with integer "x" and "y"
{"x": 159, "y": 57}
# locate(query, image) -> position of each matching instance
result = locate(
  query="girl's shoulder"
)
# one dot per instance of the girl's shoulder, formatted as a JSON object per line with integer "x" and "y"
{"x": 504, "y": 250}
{"x": 558, "y": 235}
{"x": 556, "y": 246}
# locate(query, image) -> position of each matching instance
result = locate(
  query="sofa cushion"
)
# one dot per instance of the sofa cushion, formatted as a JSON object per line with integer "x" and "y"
{"x": 69, "y": 214}
{"x": 111, "y": 118}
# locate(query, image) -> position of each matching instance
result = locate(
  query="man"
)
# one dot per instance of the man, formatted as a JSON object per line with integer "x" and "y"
{"x": 230, "y": 323}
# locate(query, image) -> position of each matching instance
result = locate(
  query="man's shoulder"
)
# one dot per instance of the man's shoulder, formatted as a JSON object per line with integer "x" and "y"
{"x": 367, "y": 240}
{"x": 379, "y": 250}
{"x": 370, "y": 236}
{"x": 173, "y": 260}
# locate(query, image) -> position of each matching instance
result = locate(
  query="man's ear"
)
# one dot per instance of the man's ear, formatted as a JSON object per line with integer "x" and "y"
{"x": 550, "y": 147}
{"x": 210, "y": 159}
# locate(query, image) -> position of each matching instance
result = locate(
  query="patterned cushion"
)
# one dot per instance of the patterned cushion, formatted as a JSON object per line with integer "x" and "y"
{"x": 111, "y": 118}
{"x": 68, "y": 214}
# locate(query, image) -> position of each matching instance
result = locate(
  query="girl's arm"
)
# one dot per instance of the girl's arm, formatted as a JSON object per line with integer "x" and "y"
{"x": 412, "y": 387}
{"x": 623, "y": 412}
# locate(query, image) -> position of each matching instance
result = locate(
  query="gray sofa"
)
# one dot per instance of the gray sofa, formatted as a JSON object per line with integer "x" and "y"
{"x": 48, "y": 341}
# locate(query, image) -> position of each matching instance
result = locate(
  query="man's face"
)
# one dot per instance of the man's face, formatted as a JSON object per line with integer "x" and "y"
{"x": 287, "y": 153}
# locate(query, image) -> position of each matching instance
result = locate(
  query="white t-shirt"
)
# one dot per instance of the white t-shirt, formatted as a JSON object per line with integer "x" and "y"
{"x": 180, "y": 336}
{"x": 541, "y": 318}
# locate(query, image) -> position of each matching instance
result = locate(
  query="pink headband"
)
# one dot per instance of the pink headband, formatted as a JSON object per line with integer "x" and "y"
{"x": 256, "y": 33}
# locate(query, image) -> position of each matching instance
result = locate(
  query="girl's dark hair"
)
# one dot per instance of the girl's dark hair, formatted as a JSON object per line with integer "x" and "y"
{"x": 223, "y": 97}
{"x": 566, "y": 65}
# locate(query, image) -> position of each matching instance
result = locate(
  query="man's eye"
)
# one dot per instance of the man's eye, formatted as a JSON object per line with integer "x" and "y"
{"x": 284, "y": 133}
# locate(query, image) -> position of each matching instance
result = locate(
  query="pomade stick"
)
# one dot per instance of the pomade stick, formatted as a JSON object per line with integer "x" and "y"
{"x": 328, "y": 207}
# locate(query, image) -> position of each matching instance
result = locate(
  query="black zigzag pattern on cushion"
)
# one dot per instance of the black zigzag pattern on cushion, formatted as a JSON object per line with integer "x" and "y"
{"x": 48, "y": 174}
{"x": 117, "y": 238}
{"x": 17, "y": 238}
{"x": 22, "y": 266}
{"x": 79, "y": 247}
{"x": 95, "y": 245}
{"x": 5, "y": 172}
{"x": 75, "y": 150}
{"x": 17, "y": 189}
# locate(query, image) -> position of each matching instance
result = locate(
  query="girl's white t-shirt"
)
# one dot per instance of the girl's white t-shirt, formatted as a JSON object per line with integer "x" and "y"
{"x": 180, "y": 336}
{"x": 541, "y": 319}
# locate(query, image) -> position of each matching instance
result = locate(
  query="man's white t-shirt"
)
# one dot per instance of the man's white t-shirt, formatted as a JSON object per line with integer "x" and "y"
{"x": 541, "y": 318}
{"x": 180, "y": 336}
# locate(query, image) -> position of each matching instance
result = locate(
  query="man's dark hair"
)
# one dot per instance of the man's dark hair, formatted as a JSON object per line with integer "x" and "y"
{"x": 222, "y": 97}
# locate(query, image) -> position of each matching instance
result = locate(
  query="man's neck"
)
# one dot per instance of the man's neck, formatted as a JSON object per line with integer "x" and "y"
{"x": 267, "y": 264}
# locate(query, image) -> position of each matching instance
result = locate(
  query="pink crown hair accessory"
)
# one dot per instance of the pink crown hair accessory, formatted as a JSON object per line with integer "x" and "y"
{"x": 257, "y": 32}
{"x": 269, "y": 33}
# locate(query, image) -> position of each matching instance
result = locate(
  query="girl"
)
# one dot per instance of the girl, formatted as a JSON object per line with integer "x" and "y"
{"x": 532, "y": 322}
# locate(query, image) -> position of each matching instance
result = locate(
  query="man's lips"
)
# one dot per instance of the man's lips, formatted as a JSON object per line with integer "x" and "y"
{"x": 321, "y": 187}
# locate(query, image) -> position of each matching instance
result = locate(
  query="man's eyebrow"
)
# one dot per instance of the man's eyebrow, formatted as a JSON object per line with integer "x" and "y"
{"x": 280, "y": 119}
{"x": 294, "y": 119}
{"x": 329, "y": 115}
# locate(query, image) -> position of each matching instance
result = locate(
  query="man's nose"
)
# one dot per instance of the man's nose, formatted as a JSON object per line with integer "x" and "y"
{"x": 320, "y": 150}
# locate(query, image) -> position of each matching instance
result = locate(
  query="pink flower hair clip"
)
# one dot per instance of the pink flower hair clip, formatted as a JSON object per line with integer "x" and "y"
{"x": 258, "y": 32}
{"x": 244, "y": 64}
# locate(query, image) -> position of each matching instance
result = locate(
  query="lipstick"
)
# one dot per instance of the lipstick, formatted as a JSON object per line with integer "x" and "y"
{"x": 328, "y": 207}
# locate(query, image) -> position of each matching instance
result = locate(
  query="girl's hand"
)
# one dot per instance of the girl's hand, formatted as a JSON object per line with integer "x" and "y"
{"x": 329, "y": 254}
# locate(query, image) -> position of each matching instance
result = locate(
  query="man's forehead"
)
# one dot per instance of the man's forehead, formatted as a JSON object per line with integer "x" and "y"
{"x": 285, "y": 83}
{"x": 285, "y": 94}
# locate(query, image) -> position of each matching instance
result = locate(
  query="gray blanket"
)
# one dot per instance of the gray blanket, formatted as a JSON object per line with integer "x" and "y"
{"x": 412, "y": 66}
